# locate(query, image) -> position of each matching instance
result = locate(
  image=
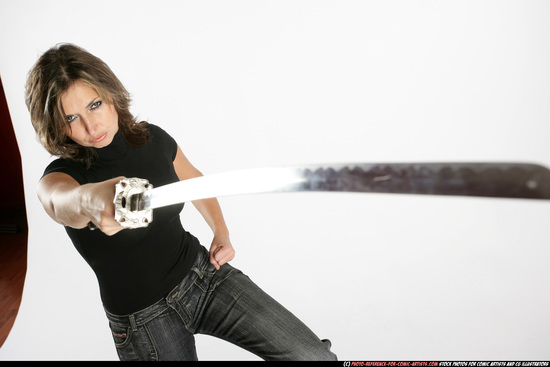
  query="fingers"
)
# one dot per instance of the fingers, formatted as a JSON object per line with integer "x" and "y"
{"x": 107, "y": 226}
{"x": 111, "y": 229}
{"x": 215, "y": 257}
{"x": 214, "y": 261}
{"x": 116, "y": 180}
{"x": 224, "y": 255}
{"x": 103, "y": 218}
{"x": 221, "y": 254}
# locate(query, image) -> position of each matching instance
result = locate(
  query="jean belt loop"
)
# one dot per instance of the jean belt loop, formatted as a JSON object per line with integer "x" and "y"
{"x": 133, "y": 322}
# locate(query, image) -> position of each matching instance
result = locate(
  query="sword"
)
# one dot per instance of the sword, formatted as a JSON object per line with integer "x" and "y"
{"x": 135, "y": 198}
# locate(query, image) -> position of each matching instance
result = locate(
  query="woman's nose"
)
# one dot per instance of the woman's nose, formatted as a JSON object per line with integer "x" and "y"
{"x": 90, "y": 125}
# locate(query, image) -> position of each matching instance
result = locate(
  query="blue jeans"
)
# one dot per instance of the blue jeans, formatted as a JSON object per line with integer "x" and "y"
{"x": 223, "y": 303}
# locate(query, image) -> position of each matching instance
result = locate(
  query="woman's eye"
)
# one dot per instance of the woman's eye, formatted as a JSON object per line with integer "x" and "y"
{"x": 95, "y": 105}
{"x": 71, "y": 118}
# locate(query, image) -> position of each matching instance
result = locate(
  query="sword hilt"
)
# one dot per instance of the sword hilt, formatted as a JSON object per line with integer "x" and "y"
{"x": 128, "y": 193}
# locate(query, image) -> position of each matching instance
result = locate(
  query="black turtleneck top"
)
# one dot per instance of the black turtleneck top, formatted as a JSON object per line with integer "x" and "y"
{"x": 135, "y": 267}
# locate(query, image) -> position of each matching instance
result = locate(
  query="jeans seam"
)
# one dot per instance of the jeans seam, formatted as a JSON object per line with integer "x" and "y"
{"x": 153, "y": 351}
{"x": 231, "y": 272}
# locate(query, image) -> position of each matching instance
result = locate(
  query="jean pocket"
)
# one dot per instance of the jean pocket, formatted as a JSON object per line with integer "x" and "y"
{"x": 121, "y": 335}
{"x": 133, "y": 346}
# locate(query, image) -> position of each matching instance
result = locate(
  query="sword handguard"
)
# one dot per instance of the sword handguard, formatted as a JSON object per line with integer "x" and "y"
{"x": 127, "y": 191}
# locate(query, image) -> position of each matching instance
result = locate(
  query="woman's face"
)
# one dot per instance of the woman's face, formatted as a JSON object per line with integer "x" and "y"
{"x": 93, "y": 121}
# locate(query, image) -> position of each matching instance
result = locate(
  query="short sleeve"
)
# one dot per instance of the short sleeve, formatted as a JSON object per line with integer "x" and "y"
{"x": 163, "y": 140}
{"x": 68, "y": 167}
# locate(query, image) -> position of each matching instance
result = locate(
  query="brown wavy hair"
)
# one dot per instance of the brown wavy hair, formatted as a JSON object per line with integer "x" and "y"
{"x": 54, "y": 72}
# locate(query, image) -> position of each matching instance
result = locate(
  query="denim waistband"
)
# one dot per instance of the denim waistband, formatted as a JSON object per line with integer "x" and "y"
{"x": 143, "y": 316}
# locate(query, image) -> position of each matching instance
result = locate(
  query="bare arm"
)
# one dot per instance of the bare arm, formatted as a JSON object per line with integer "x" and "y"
{"x": 74, "y": 205}
{"x": 221, "y": 250}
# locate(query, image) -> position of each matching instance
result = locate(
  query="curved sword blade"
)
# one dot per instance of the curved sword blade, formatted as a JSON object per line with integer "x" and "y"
{"x": 135, "y": 198}
{"x": 505, "y": 180}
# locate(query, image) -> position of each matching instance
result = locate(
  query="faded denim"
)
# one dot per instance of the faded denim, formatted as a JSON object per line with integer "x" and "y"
{"x": 225, "y": 304}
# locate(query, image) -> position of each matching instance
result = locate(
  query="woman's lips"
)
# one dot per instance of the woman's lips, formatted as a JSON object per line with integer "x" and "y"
{"x": 99, "y": 138}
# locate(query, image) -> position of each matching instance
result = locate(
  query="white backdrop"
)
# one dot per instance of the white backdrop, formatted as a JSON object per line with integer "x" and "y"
{"x": 243, "y": 84}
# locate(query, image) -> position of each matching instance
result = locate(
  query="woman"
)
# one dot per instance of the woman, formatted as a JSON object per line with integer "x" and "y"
{"x": 159, "y": 286}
